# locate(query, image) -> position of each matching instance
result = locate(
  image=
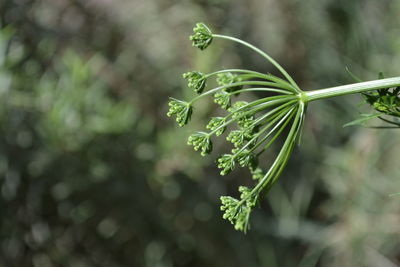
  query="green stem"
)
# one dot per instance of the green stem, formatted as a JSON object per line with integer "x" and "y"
{"x": 273, "y": 118}
{"x": 262, "y": 53}
{"x": 261, "y": 89}
{"x": 285, "y": 120}
{"x": 257, "y": 105}
{"x": 309, "y": 96}
{"x": 260, "y": 119}
{"x": 282, "y": 157}
{"x": 257, "y": 74}
{"x": 232, "y": 85}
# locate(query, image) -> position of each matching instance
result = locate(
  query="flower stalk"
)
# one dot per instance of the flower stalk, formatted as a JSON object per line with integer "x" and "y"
{"x": 354, "y": 88}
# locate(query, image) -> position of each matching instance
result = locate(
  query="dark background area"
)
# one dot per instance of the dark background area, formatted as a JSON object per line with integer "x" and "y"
{"x": 93, "y": 173}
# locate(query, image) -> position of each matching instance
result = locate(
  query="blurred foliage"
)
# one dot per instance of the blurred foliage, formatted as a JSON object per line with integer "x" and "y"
{"x": 93, "y": 174}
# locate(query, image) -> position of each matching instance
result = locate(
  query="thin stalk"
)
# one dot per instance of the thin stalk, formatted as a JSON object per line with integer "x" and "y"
{"x": 232, "y": 85}
{"x": 276, "y": 118}
{"x": 309, "y": 96}
{"x": 277, "y": 134}
{"x": 257, "y": 74}
{"x": 235, "y": 70}
{"x": 283, "y": 120}
{"x": 261, "y": 89}
{"x": 288, "y": 154}
{"x": 262, "y": 103}
{"x": 281, "y": 158}
{"x": 262, "y": 53}
{"x": 260, "y": 119}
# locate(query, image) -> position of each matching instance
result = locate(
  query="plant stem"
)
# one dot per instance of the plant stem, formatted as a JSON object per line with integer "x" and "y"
{"x": 233, "y": 85}
{"x": 262, "y": 53}
{"x": 309, "y": 96}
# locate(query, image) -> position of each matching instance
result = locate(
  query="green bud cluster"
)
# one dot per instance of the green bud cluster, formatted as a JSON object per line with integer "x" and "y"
{"x": 238, "y": 110}
{"x": 183, "y": 111}
{"x": 223, "y": 99}
{"x": 228, "y": 78}
{"x": 230, "y": 207}
{"x": 238, "y": 211}
{"x": 202, "y": 36}
{"x": 200, "y": 141}
{"x": 196, "y": 80}
{"x": 243, "y": 156}
{"x": 238, "y": 137}
{"x": 244, "y": 121}
{"x": 257, "y": 173}
{"x": 217, "y": 124}
{"x": 227, "y": 163}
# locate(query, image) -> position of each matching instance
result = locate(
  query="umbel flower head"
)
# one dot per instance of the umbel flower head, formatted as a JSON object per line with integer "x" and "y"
{"x": 196, "y": 80}
{"x": 200, "y": 141}
{"x": 223, "y": 99}
{"x": 252, "y": 125}
{"x": 217, "y": 124}
{"x": 275, "y": 116}
{"x": 183, "y": 111}
{"x": 238, "y": 211}
{"x": 227, "y": 163}
{"x": 229, "y": 78}
{"x": 202, "y": 36}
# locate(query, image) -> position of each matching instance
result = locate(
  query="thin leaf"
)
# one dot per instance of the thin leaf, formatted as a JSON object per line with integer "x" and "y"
{"x": 354, "y": 77}
{"x": 361, "y": 121}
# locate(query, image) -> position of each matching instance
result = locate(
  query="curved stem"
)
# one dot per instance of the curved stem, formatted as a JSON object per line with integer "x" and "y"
{"x": 261, "y": 104}
{"x": 282, "y": 157}
{"x": 237, "y": 71}
{"x": 288, "y": 114}
{"x": 274, "y": 119}
{"x": 257, "y": 74}
{"x": 262, "y": 53}
{"x": 277, "y": 134}
{"x": 231, "y": 85}
{"x": 260, "y": 119}
{"x": 261, "y": 89}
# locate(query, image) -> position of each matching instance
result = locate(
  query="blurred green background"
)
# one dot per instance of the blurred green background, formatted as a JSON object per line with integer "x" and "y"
{"x": 93, "y": 173}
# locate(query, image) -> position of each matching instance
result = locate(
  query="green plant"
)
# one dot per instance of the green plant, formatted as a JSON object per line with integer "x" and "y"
{"x": 259, "y": 123}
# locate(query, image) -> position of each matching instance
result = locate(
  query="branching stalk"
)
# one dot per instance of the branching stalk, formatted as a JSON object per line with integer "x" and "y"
{"x": 264, "y": 120}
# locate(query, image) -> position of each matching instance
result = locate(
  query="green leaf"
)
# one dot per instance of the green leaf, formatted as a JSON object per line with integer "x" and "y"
{"x": 363, "y": 120}
{"x": 354, "y": 77}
